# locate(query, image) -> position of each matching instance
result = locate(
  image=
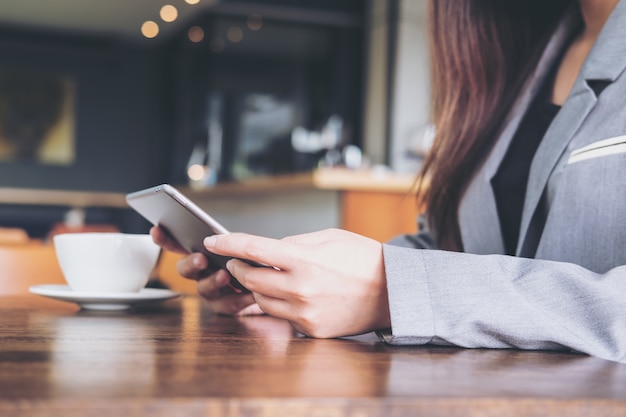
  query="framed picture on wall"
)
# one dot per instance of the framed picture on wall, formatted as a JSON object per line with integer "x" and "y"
{"x": 37, "y": 112}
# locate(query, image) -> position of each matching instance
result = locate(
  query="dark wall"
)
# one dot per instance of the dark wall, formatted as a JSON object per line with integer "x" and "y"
{"x": 121, "y": 124}
{"x": 314, "y": 65}
{"x": 141, "y": 107}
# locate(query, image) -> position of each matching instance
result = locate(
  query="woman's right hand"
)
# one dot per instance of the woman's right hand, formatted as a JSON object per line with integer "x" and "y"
{"x": 213, "y": 285}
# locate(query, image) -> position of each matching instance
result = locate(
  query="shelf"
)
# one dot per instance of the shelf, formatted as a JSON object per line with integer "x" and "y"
{"x": 321, "y": 179}
{"x": 44, "y": 197}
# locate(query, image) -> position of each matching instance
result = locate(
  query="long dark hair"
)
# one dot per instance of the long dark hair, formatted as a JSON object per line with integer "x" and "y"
{"x": 481, "y": 52}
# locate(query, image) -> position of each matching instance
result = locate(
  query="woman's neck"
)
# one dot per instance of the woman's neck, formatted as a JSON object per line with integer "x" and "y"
{"x": 595, "y": 14}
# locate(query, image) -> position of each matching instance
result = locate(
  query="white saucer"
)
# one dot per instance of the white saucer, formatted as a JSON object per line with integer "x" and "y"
{"x": 103, "y": 301}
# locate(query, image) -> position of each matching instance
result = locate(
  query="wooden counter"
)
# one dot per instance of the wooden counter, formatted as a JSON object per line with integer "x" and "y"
{"x": 337, "y": 179}
{"x": 322, "y": 179}
{"x": 379, "y": 205}
{"x": 77, "y": 199}
{"x": 376, "y": 204}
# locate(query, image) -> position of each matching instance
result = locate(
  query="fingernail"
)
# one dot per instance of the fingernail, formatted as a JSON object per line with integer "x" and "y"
{"x": 209, "y": 241}
{"x": 198, "y": 262}
{"x": 222, "y": 279}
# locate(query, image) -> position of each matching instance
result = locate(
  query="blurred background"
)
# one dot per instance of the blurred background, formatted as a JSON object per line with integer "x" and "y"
{"x": 114, "y": 96}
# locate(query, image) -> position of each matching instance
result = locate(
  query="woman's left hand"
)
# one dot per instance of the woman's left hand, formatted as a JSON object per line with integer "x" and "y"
{"x": 327, "y": 284}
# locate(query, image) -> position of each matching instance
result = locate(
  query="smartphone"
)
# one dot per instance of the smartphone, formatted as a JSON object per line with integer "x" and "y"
{"x": 167, "y": 207}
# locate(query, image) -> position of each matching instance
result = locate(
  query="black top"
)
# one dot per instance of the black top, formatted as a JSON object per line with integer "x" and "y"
{"x": 509, "y": 183}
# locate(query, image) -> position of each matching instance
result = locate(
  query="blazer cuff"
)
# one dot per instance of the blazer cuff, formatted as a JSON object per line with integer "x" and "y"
{"x": 410, "y": 306}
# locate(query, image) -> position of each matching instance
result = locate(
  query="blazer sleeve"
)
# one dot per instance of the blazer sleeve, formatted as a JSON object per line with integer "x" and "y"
{"x": 423, "y": 239}
{"x": 499, "y": 301}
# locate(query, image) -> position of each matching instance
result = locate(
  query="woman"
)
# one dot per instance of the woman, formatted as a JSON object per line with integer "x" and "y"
{"x": 525, "y": 190}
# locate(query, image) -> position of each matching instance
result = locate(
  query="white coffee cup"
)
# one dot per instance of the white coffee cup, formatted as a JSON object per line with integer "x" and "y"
{"x": 106, "y": 262}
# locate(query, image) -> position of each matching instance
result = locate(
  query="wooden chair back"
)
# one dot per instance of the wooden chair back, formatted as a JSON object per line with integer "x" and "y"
{"x": 13, "y": 235}
{"x": 28, "y": 264}
{"x": 35, "y": 263}
{"x": 167, "y": 273}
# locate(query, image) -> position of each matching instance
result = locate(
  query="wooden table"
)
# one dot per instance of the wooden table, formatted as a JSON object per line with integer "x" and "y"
{"x": 177, "y": 359}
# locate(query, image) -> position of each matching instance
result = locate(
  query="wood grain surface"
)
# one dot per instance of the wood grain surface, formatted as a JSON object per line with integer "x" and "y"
{"x": 178, "y": 359}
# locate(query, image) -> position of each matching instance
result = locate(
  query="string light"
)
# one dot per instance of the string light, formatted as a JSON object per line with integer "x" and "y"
{"x": 234, "y": 34}
{"x": 195, "y": 34}
{"x": 169, "y": 13}
{"x": 149, "y": 29}
{"x": 196, "y": 172}
{"x": 254, "y": 22}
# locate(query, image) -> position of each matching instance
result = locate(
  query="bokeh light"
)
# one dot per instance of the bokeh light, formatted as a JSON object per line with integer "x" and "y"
{"x": 234, "y": 34}
{"x": 254, "y": 22}
{"x": 195, "y": 34}
{"x": 149, "y": 29}
{"x": 168, "y": 13}
{"x": 196, "y": 172}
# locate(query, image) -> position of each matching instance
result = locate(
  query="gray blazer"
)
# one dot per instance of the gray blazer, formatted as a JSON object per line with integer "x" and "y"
{"x": 566, "y": 288}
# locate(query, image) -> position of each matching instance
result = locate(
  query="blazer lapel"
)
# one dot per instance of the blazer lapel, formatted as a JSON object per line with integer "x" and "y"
{"x": 605, "y": 62}
{"x": 478, "y": 215}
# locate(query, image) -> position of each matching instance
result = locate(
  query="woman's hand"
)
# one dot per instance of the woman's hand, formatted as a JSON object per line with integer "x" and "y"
{"x": 327, "y": 284}
{"x": 213, "y": 285}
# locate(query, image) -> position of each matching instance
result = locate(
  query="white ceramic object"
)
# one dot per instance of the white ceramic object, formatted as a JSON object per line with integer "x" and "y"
{"x": 103, "y": 301}
{"x": 106, "y": 262}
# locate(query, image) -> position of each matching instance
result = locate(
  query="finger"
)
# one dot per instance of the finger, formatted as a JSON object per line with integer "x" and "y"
{"x": 275, "y": 307}
{"x": 299, "y": 328}
{"x": 211, "y": 287}
{"x": 251, "y": 310}
{"x": 260, "y": 279}
{"x": 277, "y": 253}
{"x": 195, "y": 266}
{"x": 316, "y": 238}
{"x": 163, "y": 239}
{"x": 233, "y": 304}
